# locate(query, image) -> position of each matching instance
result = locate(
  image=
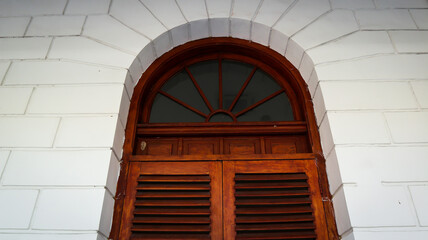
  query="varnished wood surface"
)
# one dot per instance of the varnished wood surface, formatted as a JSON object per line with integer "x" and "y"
{"x": 295, "y": 87}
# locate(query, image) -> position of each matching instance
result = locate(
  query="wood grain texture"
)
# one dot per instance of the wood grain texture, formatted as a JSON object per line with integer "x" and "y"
{"x": 262, "y": 148}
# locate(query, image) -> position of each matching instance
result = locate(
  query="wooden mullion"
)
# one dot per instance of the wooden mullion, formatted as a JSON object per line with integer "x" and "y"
{"x": 242, "y": 89}
{"x": 201, "y": 93}
{"x": 260, "y": 102}
{"x": 183, "y": 104}
{"x": 220, "y": 85}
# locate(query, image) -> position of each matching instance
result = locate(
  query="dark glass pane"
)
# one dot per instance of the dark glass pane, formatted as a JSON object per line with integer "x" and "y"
{"x": 276, "y": 109}
{"x": 221, "y": 117}
{"x": 165, "y": 110}
{"x": 181, "y": 87}
{"x": 206, "y": 75}
{"x": 234, "y": 75}
{"x": 260, "y": 86}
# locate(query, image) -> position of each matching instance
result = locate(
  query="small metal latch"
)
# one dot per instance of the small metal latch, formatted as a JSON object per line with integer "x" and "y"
{"x": 143, "y": 145}
{"x": 325, "y": 199}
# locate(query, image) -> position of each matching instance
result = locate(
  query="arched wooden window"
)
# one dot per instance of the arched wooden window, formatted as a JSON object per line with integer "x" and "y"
{"x": 221, "y": 143}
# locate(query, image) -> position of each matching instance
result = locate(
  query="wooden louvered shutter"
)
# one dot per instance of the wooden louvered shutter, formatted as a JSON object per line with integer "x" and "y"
{"x": 173, "y": 200}
{"x": 273, "y": 200}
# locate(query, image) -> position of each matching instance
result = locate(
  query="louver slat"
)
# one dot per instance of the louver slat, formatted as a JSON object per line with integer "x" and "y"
{"x": 273, "y": 206}
{"x": 172, "y": 207}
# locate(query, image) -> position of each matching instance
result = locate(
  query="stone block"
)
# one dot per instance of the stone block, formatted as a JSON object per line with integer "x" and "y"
{"x": 386, "y": 67}
{"x": 55, "y": 25}
{"x": 321, "y": 31}
{"x": 420, "y": 88}
{"x": 166, "y": 11}
{"x": 378, "y": 206}
{"x": 374, "y": 165}
{"x": 260, "y": 33}
{"x": 385, "y": 19}
{"x": 16, "y": 208}
{"x": 132, "y": 13}
{"x": 14, "y": 100}
{"x": 420, "y": 199}
{"x": 4, "y": 155}
{"x": 240, "y": 28}
{"x": 193, "y": 10}
{"x": 421, "y": 17}
{"x": 76, "y": 99}
{"x": 270, "y": 11}
{"x": 355, "y": 45}
{"x": 278, "y": 41}
{"x": 83, "y": 7}
{"x": 245, "y": 9}
{"x": 218, "y": 8}
{"x": 58, "y": 168}
{"x": 348, "y": 95}
{"x": 180, "y": 34}
{"x": 352, "y": 4}
{"x": 24, "y": 48}
{"x": 86, "y": 132}
{"x": 115, "y": 34}
{"x": 9, "y": 8}
{"x": 300, "y": 15}
{"x": 27, "y": 131}
{"x": 410, "y": 41}
{"x": 90, "y": 51}
{"x": 199, "y": 29}
{"x": 401, "y": 4}
{"x": 341, "y": 212}
{"x": 61, "y": 72}
{"x": 219, "y": 27}
{"x": 358, "y": 127}
{"x": 69, "y": 209}
{"x": 13, "y": 27}
{"x": 408, "y": 127}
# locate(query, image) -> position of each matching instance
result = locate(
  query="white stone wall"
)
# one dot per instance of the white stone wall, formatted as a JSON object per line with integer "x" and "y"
{"x": 68, "y": 68}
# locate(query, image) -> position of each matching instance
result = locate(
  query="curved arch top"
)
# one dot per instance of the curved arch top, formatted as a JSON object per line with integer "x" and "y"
{"x": 258, "y": 55}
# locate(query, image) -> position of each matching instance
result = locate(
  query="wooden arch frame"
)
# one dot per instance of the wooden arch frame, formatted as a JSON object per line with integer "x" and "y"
{"x": 275, "y": 64}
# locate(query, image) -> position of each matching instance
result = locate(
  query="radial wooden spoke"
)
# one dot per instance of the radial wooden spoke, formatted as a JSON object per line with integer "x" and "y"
{"x": 220, "y": 86}
{"x": 242, "y": 89}
{"x": 259, "y": 102}
{"x": 183, "y": 104}
{"x": 199, "y": 90}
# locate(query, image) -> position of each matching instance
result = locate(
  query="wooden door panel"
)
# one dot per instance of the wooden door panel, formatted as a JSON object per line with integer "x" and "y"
{"x": 173, "y": 200}
{"x": 194, "y": 146}
{"x": 242, "y": 145}
{"x": 272, "y": 200}
{"x": 157, "y": 146}
{"x": 285, "y": 145}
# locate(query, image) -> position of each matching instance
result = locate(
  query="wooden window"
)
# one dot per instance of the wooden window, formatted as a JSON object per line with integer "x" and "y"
{"x": 222, "y": 143}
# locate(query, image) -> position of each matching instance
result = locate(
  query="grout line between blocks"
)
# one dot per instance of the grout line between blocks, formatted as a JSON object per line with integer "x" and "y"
{"x": 29, "y": 100}
{"x": 392, "y": 42}
{"x": 109, "y": 7}
{"x": 181, "y": 11}
{"x": 83, "y": 25}
{"x": 28, "y": 26}
{"x": 387, "y": 128}
{"x": 3, "y": 80}
{"x": 4, "y": 169}
{"x": 50, "y": 47}
{"x": 150, "y": 11}
{"x": 135, "y": 30}
{"x": 65, "y": 7}
{"x": 56, "y": 132}
{"x": 413, "y": 207}
{"x": 412, "y": 89}
{"x": 413, "y": 19}
{"x": 36, "y": 203}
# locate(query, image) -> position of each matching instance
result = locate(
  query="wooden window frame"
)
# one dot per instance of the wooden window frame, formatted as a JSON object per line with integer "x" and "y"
{"x": 271, "y": 62}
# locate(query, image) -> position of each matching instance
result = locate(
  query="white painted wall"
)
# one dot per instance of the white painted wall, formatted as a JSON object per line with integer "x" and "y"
{"x": 68, "y": 68}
